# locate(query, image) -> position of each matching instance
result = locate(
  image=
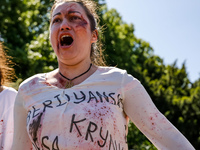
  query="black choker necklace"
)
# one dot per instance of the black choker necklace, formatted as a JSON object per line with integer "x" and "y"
{"x": 70, "y": 84}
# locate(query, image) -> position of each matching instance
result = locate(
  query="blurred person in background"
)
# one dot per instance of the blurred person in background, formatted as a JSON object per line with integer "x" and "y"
{"x": 7, "y": 99}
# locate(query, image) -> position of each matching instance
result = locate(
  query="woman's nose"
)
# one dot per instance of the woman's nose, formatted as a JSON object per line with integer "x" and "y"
{"x": 65, "y": 26}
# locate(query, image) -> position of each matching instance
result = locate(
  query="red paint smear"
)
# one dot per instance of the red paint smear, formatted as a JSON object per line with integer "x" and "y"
{"x": 84, "y": 22}
{"x": 70, "y": 7}
{"x": 33, "y": 82}
{"x": 46, "y": 83}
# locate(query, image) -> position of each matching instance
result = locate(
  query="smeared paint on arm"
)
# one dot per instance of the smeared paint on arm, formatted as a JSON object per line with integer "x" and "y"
{"x": 154, "y": 125}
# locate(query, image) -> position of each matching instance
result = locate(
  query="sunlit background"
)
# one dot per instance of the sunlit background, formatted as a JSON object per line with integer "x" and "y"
{"x": 172, "y": 27}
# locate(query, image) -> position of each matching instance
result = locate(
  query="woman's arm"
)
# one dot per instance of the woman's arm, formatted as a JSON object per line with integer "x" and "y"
{"x": 21, "y": 139}
{"x": 154, "y": 125}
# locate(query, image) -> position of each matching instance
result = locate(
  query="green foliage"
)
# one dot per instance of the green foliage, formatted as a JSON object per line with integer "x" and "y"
{"x": 24, "y": 26}
{"x": 136, "y": 140}
{"x": 118, "y": 39}
{"x": 20, "y": 22}
{"x": 42, "y": 55}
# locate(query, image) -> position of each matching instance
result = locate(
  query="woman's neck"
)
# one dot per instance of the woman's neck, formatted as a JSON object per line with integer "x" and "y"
{"x": 71, "y": 71}
{"x": 54, "y": 78}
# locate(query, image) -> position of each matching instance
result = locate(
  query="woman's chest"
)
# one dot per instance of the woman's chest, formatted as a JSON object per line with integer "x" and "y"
{"x": 78, "y": 117}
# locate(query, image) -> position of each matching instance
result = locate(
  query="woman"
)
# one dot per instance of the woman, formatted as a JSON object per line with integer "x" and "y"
{"x": 82, "y": 105}
{"x": 7, "y": 97}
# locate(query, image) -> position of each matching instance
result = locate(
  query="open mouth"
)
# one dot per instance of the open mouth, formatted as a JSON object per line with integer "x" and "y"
{"x": 66, "y": 40}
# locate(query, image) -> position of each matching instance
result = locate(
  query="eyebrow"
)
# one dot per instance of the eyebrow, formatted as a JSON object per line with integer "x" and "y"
{"x": 70, "y": 12}
{"x": 57, "y": 14}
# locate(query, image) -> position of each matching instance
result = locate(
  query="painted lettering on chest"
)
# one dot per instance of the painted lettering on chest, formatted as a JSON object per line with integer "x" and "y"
{"x": 76, "y": 98}
{"x": 92, "y": 133}
{"x": 94, "y": 114}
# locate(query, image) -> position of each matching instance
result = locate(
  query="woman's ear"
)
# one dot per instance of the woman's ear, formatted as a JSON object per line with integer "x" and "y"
{"x": 94, "y": 36}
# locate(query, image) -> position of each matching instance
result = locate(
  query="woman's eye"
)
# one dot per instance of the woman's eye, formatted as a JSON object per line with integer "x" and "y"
{"x": 56, "y": 20}
{"x": 74, "y": 18}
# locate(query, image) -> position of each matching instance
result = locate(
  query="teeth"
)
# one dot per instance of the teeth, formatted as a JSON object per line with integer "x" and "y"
{"x": 66, "y": 40}
{"x": 65, "y": 36}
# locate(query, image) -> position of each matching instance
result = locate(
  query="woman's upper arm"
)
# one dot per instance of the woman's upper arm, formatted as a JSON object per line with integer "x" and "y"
{"x": 21, "y": 138}
{"x": 154, "y": 125}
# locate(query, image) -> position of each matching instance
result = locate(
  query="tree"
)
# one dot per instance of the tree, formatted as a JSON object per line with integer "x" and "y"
{"x": 21, "y": 22}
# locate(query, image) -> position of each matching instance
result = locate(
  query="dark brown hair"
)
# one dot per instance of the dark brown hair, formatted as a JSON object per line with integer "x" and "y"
{"x": 90, "y": 7}
{"x": 6, "y": 72}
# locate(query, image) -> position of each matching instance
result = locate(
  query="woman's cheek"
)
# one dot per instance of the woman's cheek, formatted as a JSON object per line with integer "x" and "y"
{"x": 53, "y": 39}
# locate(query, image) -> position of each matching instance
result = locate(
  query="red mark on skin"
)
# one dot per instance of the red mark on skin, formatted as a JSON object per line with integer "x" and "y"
{"x": 156, "y": 114}
{"x": 89, "y": 112}
{"x": 152, "y": 123}
{"x": 1, "y": 122}
{"x": 83, "y": 23}
{"x": 101, "y": 142}
{"x": 71, "y": 5}
{"x": 33, "y": 82}
{"x": 60, "y": 83}
{"x": 72, "y": 9}
{"x": 77, "y": 134}
{"x": 46, "y": 83}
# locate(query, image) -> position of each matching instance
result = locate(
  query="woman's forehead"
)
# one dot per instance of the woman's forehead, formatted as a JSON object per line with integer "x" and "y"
{"x": 68, "y": 6}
